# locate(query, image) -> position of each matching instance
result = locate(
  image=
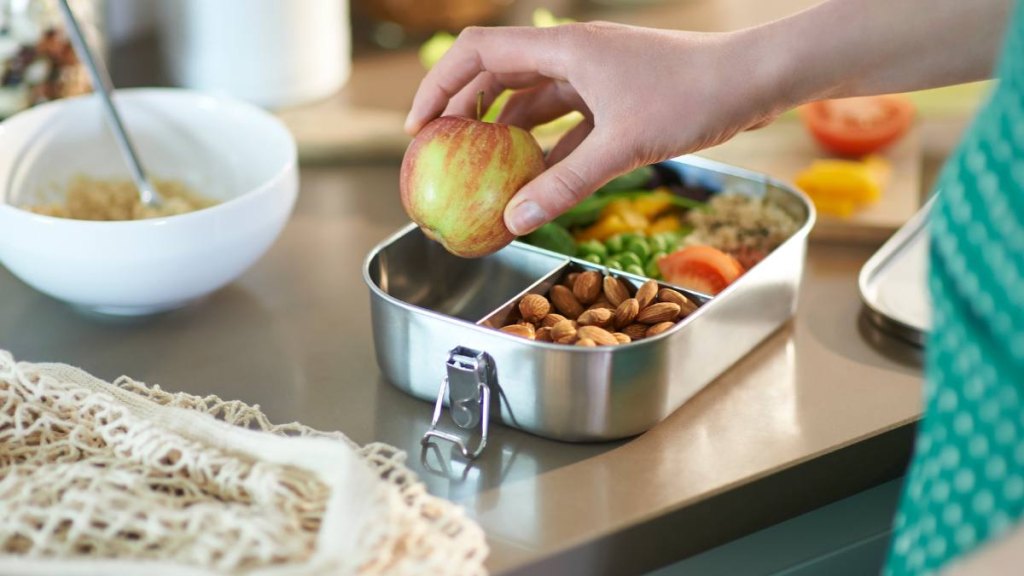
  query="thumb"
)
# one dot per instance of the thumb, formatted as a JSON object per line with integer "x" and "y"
{"x": 562, "y": 186}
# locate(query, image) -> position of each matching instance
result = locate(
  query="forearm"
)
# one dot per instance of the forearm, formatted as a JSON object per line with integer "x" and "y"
{"x": 846, "y": 48}
{"x": 720, "y": 84}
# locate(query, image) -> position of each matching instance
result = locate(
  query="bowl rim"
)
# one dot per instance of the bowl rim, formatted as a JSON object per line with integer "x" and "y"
{"x": 288, "y": 168}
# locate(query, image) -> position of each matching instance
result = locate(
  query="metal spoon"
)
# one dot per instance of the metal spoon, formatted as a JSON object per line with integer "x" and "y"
{"x": 103, "y": 86}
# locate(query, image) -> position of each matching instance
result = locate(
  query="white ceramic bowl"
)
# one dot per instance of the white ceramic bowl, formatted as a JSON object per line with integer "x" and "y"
{"x": 224, "y": 149}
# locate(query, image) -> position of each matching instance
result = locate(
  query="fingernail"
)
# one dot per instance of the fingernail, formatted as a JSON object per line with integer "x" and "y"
{"x": 524, "y": 217}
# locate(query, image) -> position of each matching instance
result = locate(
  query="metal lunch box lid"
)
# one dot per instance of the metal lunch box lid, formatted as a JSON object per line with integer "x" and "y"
{"x": 894, "y": 281}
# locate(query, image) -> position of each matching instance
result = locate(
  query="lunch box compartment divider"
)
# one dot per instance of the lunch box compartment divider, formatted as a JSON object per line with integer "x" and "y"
{"x": 501, "y": 315}
{"x": 420, "y": 272}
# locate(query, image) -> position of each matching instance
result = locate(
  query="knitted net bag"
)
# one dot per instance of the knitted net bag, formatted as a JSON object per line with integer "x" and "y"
{"x": 126, "y": 478}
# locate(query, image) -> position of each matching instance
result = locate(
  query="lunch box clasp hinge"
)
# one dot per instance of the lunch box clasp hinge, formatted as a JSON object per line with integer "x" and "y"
{"x": 467, "y": 386}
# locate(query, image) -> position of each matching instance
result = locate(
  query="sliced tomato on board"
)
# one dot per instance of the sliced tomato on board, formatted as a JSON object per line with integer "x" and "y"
{"x": 858, "y": 126}
{"x": 701, "y": 268}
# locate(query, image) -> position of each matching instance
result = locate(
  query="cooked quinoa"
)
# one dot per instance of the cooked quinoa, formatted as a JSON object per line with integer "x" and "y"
{"x": 746, "y": 227}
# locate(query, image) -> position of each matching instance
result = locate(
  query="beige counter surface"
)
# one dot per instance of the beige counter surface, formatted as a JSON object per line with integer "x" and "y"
{"x": 814, "y": 413}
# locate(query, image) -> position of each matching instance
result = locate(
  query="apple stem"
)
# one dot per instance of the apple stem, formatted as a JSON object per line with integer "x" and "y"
{"x": 479, "y": 104}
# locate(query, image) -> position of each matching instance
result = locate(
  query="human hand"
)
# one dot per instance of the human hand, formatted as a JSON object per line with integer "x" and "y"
{"x": 646, "y": 95}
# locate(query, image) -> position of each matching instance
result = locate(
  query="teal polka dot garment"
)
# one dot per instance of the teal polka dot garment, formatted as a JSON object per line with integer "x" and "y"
{"x": 965, "y": 485}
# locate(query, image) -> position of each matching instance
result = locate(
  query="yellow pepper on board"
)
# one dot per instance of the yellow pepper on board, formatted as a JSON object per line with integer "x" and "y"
{"x": 839, "y": 187}
{"x": 840, "y": 207}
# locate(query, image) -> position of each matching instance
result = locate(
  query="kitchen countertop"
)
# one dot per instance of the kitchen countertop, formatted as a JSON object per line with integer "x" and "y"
{"x": 823, "y": 408}
{"x": 815, "y": 413}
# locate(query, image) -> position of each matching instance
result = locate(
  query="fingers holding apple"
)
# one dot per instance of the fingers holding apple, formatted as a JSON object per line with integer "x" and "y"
{"x": 584, "y": 159}
{"x": 517, "y": 57}
{"x": 543, "y": 103}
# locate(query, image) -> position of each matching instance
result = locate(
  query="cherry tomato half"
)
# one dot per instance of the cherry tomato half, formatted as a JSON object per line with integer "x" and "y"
{"x": 701, "y": 268}
{"x": 858, "y": 126}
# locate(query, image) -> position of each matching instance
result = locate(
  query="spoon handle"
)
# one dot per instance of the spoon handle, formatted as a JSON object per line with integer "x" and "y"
{"x": 103, "y": 86}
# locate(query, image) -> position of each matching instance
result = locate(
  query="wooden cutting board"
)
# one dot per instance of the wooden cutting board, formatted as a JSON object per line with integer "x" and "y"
{"x": 784, "y": 148}
{"x": 332, "y": 130}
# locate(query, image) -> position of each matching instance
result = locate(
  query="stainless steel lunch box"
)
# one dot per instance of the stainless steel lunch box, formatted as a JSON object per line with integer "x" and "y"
{"x": 431, "y": 313}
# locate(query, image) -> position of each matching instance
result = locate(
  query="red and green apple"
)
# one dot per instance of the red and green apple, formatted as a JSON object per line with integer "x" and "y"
{"x": 457, "y": 176}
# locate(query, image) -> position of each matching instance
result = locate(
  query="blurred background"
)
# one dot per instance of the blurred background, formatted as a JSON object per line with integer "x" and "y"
{"x": 246, "y": 48}
{"x": 342, "y": 73}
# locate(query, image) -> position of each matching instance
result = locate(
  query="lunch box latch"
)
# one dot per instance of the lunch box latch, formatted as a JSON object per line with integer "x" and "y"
{"x": 468, "y": 387}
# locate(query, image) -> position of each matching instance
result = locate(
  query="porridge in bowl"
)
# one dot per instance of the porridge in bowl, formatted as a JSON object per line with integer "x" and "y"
{"x": 94, "y": 199}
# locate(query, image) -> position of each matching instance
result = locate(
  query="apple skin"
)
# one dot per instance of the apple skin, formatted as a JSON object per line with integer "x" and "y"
{"x": 457, "y": 176}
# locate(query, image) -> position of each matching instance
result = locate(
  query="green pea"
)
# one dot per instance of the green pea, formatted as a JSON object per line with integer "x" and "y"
{"x": 593, "y": 258}
{"x": 675, "y": 240}
{"x": 552, "y": 237}
{"x": 639, "y": 247}
{"x": 629, "y": 258}
{"x": 614, "y": 244}
{"x": 651, "y": 270}
{"x": 613, "y": 263}
{"x": 634, "y": 269}
{"x": 658, "y": 243}
{"x": 666, "y": 238}
{"x": 592, "y": 247}
{"x": 629, "y": 236}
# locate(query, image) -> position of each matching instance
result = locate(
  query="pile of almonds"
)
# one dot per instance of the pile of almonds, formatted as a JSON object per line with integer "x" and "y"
{"x": 588, "y": 309}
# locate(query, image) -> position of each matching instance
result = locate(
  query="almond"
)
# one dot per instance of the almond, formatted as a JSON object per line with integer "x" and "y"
{"x": 564, "y": 332}
{"x": 570, "y": 279}
{"x": 635, "y": 331}
{"x": 601, "y": 302}
{"x": 646, "y": 293}
{"x": 587, "y": 286}
{"x": 599, "y": 335}
{"x": 626, "y": 313}
{"x": 552, "y": 319}
{"x": 544, "y": 334}
{"x": 659, "y": 328}
{"x": 585, "y": 342}
{"x": 565, "y": 302}
{"x": 596, "y": 317}
{"x": 615, "y": 290}
{"x": 622, "y": 338}
{"x": 657, "y": 313}
{"x": 523, "y": 330}
{"x": 686, "y": 306}
{"x": 534, "y": 307}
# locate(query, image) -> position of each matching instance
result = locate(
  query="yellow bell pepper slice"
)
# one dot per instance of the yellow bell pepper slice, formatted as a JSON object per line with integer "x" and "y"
{"x": 840, "y": 208}
{"x": 653, "y": 204}
{"x": 635, "y": 220}
{"x": 880, "y": 169}
{"x": 839, "y": 179}
{"x": 840, "y": 187}
{"x": 619, "y": 206}
{"x": 604, "y": 228}
{"x": 666, "y": 223}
